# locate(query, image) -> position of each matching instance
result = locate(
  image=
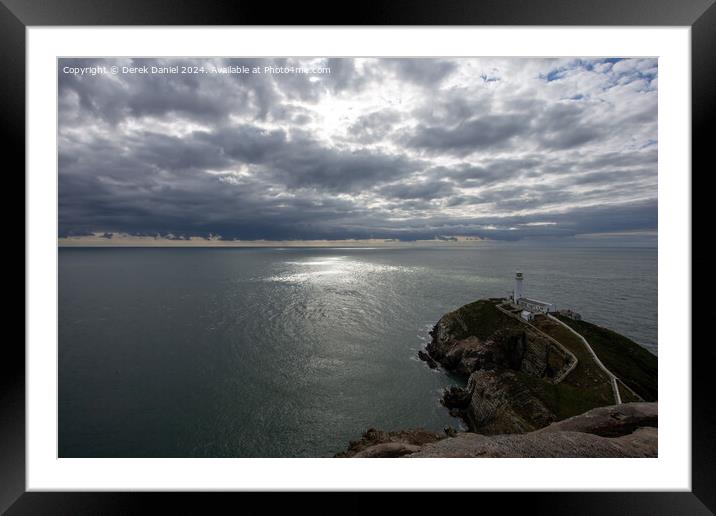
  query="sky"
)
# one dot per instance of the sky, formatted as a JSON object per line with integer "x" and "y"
{"x": 342, "y": 148}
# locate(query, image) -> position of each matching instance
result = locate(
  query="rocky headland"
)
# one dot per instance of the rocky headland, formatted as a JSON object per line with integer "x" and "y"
{"x": 532, "y": 389}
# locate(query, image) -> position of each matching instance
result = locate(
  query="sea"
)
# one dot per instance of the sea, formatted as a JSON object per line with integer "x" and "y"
{"x": 293, "y": 352}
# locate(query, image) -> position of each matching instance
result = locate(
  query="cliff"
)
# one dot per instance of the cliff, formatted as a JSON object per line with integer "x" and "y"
{"x": 532, "y": 389}
{"x": 523, "y": 376}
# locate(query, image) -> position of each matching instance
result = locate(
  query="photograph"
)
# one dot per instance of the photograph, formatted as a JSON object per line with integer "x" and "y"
{"x": 357, "y": 257}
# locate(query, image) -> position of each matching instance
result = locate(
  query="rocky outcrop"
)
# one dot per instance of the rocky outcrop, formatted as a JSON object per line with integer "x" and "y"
{"x": 377, "y": 443}
{"x": 502, "y": 402}
{"x": 495, "y": 353}
{"x": 478, "y": 336}
{"x": 504, "y": 349}
{"x": 425, "y": 357}
{"x": 498, "y": 402}
{"x": 611, "y": 421}
{"x": 626, "y": 430}
{"x": 514, "y": 401}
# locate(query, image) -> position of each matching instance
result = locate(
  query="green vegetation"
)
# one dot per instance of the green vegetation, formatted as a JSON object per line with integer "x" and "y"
{"x": 631, "y": 363}
{"x": 555, "y": 362}
{"x": 567, "y": 400}
{"x": 587, "y": 386}
{"x": 481, "y": 318}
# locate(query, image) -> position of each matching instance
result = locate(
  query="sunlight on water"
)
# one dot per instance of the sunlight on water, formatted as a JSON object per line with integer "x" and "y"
{"x": 327, "y": 269}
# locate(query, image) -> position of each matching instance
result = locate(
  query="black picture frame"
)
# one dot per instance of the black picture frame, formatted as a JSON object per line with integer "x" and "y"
{"x": 17, "y": 15}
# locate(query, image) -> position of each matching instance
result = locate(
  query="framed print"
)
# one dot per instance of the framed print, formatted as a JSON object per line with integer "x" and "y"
{"x": 269, "y": 257}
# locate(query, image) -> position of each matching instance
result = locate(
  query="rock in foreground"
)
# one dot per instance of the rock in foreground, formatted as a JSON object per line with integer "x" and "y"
{"x": 626, "y": 430}
{"x": 377, "y": 443}
{"x": 640, "y": 443}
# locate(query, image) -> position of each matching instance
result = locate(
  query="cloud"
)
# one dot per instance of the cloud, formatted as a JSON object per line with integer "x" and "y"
{"x": 417, "y": 190}
{"x": 377, "y": 148}
{"x": 468, "y": 137}
{"x": 374, "y": 126}
{"x": 425, "y": 72}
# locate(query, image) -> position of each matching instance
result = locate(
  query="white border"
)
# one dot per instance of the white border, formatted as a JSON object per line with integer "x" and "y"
{"x": 671, "y": 470}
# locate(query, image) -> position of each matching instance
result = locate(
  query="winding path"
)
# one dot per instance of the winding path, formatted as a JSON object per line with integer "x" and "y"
{"x": 563, "y": 374}
{"x": 612, "y": 378}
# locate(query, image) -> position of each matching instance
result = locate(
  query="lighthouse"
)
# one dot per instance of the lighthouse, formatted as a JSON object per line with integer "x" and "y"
{"x": 518, "y": 287}
{"x": 529, "y": 306}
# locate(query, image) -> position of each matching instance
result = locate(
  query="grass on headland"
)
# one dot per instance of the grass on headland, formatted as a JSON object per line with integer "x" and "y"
{"x": 630, "y": 362}
{"x": 565, "y": 399}
{"x": 585, "y": 388}
{"x": 480, "y": 318}
{"x": 588, "y": 384}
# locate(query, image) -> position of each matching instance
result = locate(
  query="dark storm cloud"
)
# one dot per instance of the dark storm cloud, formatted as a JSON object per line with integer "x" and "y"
{"x": 496, "y": 171}
{"x": 468, "y": 137}
{"x": 611, "y": 177}
{"x": 190, "y": 202}
{"x": 244, "y": 143}
{"x": 592, "y": 219}
{"x": 185, "y": 94}
{"x": 301, "y": 162}
{"x": 424, "y": 72}
{"x": 138, "y": 95}
{"x": 310, "y": 165}
{"x": 454, "y": 106}
{"x": 559, "y": 126}
{"x": 419, "y": 190}
{"x": 563, "y": 126}
{"x": 400, "y": 148}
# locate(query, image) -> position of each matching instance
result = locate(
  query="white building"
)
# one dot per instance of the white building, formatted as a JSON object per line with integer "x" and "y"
{"x": 534, "y": 305}
{"x": 517, "y": 294}
{"x": 526, "y": 303}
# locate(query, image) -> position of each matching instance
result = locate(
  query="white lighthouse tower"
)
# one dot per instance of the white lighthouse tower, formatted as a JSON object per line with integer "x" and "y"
{"x": 518, "y": 287}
